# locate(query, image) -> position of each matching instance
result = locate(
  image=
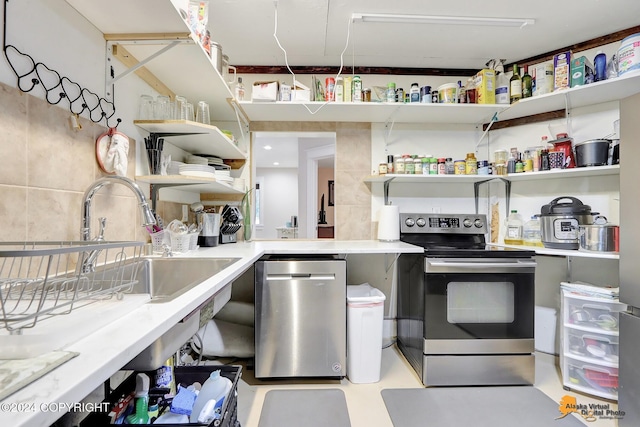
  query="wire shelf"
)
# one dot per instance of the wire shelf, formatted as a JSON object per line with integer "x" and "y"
{"x": 44, "y": 279}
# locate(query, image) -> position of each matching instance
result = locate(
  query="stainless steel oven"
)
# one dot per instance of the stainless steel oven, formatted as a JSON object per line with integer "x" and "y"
{"x": 465, "y": 310}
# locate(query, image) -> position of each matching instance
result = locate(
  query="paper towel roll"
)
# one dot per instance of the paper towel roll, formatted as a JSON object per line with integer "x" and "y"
{"x": 389, "y": 223}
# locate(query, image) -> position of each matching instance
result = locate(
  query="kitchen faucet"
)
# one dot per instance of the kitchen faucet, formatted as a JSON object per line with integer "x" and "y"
{"x": 85, "y": 231}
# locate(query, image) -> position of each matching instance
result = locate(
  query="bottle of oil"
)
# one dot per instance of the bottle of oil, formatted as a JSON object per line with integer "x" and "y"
{"x": 514, "y": 229}
{"x": 531, "y": 232}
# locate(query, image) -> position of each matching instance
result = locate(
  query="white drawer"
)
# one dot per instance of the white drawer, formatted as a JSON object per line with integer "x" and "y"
{"x": 590, "y": 378}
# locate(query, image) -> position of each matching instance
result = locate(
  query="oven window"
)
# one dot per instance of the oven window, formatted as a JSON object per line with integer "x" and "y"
{"x": 480, "y": 302}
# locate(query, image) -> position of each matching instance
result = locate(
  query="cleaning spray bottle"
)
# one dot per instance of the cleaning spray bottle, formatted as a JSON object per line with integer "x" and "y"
{"x": 141, "y": 414}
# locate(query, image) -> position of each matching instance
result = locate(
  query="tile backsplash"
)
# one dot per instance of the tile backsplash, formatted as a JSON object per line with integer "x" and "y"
{"x": 46, "y": 167}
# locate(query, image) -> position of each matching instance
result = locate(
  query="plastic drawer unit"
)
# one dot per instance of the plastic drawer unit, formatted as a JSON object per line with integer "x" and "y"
{"x": 590, "y": 343}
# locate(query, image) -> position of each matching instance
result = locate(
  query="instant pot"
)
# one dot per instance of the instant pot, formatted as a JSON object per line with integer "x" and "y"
{"x": 560, "y": 222}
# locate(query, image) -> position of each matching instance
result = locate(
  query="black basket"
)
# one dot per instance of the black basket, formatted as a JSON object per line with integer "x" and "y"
{"x": 184, "y": 375}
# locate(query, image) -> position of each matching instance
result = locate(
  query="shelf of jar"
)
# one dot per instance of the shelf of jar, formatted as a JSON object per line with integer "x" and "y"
{"x": 190, "y": 183}
{"x": 198, "y": 139}
{"x": 185, "y": 69}
{"x": 592, "y": 171}
{"x": 613, "y": 89}
{"x": 562, "y": 252}
{"x": 373, "y": 112}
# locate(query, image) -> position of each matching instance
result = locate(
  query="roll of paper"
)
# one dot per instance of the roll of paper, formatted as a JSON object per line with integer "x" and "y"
{"x": 389, "y": 223}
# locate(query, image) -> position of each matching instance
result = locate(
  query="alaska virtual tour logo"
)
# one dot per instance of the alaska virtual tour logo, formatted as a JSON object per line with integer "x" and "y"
{"x": 589, "y": 412}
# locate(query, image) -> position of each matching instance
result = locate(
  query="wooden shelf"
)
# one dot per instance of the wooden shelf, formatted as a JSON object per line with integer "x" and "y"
{"x": 562, "y": 252}
{"x": 190, "y": 183}
{"x": 526, "y": 176}
{"x": 185, "y": 69}
{"x": 204, "y": 139}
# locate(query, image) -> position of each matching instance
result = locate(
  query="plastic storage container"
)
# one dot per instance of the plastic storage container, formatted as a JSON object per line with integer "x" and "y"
{"x": 214, "y": 388}
{"x": 513, "y": 235}
{"x": 590, "y": 339}
{"x": 365, "y": 312}
{"x": 531, "y": 235}
{"x": 185, "y": 375}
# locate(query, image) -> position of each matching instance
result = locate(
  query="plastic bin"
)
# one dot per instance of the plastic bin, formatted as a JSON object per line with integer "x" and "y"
{"x": 184, "y": 375}
{"x": 365, "y": 313}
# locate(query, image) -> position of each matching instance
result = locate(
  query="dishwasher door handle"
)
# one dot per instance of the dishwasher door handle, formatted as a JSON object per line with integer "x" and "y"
{"x": 296, "y": 276}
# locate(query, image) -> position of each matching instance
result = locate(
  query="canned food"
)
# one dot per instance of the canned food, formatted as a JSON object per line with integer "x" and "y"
{"x": 330, "y": 84}
{"x": 460, "y": 167}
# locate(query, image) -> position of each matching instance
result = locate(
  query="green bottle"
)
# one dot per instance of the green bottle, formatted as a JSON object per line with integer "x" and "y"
{"x": 141, "y": 414}
{"x": 527, "y": 84}
{"x": 515, "y": 85}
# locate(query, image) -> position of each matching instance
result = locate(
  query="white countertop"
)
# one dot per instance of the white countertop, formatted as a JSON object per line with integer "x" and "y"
{"x": 106, "y": 350}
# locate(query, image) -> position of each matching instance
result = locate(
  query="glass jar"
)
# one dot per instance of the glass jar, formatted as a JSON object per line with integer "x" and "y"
{"x": 425, "y": 165}
{"x": 433, "y": 166}
{"x": 500, "y": 157}
{"x": 460, "y": 167}
{"x": 409, "y": 166}
{"x": 391, "y": 92}
{"x": 442, "y": 166}
{"x": 449, "y": 166}
{"x": 398, "y": 166}
{"x": 417, "y": 165}
{"x": 471, "y": 164}
{"x": 366, "y": 95}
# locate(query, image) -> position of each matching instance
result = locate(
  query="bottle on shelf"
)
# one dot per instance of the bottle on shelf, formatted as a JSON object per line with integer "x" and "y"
{"x": 502, "y": 89}
{"x": 339, "y": 89}
{"x": 531, "y": 235}
{"x": 462, "y": 93}
{"x": 527, "y": 84}
{"x": 600, "y": 66}
{"x": 239, "y": 90}
{"x": 514, "y": 229}
{"x": 515, "y": 86}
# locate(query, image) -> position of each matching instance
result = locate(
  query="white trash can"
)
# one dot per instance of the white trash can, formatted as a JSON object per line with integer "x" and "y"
{"x": 365, "y": 313}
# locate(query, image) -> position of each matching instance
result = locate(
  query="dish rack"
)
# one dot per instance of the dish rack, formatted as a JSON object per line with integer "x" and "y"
{"x": 43, "y": 279}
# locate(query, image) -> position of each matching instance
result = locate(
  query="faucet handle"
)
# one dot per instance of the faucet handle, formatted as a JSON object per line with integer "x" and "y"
{"x": 103, "y": 225}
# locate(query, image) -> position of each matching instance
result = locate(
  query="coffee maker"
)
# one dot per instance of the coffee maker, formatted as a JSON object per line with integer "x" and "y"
{"x": 208, "y": 224}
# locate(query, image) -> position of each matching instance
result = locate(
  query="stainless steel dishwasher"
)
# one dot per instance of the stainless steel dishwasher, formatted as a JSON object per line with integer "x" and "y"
{"x": 300, "y": 323}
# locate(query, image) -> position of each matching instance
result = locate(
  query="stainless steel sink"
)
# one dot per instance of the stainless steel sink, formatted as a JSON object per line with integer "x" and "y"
{"x": 167, "y": 278}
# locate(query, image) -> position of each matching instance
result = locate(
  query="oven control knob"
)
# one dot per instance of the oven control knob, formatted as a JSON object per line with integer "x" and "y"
{"x": 410, "y": 222}
{"x": 421, "y": 222}
{"x": 467, "y": 222}
{"x": 478, "y": 223}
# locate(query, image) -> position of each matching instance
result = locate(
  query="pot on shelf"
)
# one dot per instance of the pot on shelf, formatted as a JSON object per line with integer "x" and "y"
{"x": 594, "y": 152}
{"x": 601, "y": 236}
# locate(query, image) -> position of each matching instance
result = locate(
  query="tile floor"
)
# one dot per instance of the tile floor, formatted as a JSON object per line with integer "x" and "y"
{"x": 364, "y": 401}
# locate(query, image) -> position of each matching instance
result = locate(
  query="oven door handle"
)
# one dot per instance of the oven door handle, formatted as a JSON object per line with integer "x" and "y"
{"x": 461, "y": 265}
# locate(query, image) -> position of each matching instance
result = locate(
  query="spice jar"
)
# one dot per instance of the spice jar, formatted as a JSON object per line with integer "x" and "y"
{"x": 389, "y": 163}
{"x": 449, "y": 166}
{"x": 471, "y": 164}
{"x": 366, "y": 95}
{"x": 460, "y": 167}
{"x": 409, "y": 167}
{"x": 382, "y": 169}
{"x": 398, "y": 166}
{"x": 425, "y": 165}
{"x": 417, "y": 165}
{"x": 442, "y": 166}
{"x": 433, "y": 166}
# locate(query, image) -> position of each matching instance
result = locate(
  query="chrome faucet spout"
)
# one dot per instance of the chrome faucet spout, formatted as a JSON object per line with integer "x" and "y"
{"x": 147, "y": 216}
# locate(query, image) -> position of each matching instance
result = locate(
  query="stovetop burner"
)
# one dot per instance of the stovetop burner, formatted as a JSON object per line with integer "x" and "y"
{"x": 452, "y": 235}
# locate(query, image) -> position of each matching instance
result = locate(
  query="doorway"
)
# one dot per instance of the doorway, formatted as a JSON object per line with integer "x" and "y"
{"x": 292, "y": 171}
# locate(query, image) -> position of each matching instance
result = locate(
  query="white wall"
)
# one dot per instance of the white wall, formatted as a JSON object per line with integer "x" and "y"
{"x": 280, "y": 195}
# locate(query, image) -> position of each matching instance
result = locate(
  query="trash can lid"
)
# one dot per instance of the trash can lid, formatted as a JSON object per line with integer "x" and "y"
{"x": 364, "y": 293}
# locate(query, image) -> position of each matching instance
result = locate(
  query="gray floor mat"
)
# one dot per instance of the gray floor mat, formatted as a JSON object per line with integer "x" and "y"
{"x": 308, "y": 408}
{"x": 474, "y": 407}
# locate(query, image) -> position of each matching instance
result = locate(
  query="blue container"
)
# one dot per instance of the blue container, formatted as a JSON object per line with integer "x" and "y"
{"x": 600, "y": 66}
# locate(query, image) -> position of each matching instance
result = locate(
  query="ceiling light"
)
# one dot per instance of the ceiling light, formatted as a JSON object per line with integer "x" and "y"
{"x": 276, "y": 164}
{"x": 267, "y": 147}
{"x": 440, "y": 20}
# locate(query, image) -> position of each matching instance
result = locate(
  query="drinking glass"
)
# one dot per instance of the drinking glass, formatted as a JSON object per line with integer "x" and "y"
{"x": 180, "y": 108}
{"x": 162, "y": 108}
{"x": 202, "y": 114}
{"x": 189, "y": 114}
{"x": 145, "y": 110}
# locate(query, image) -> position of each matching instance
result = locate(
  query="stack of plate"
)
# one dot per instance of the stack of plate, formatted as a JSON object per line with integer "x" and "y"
{"x": 197, "y": 160}
{"x": 214, "y": 161}
{"x": 223, "y": 175}
{"x": 202, "y": 171}
{"x": 238, "y": 184}
{"x": 174, "y": 168}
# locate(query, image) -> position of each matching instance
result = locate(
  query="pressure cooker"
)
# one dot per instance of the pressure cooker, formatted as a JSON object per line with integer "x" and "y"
{"x": 560, "y": 222}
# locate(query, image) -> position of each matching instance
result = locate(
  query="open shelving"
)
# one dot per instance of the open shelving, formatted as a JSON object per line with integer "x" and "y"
{"x": 194, "y": 137}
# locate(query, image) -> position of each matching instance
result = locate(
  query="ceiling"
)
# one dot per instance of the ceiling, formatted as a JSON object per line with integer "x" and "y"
{"x": 314, "y": 32}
